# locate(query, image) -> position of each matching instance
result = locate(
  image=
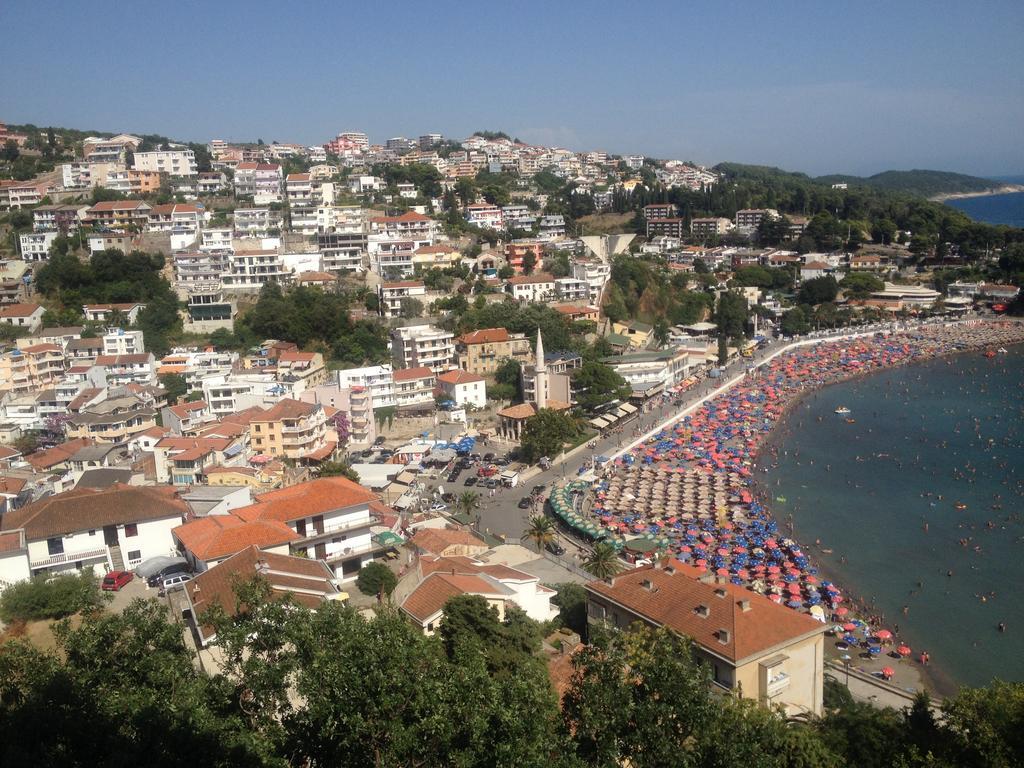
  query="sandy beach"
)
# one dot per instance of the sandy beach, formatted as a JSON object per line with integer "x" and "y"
{"x": 1004, "y": 189}
{"x": 691, "y": 490}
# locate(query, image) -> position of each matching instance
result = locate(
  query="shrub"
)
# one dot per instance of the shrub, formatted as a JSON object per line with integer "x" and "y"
{"x": 50, "y": 598}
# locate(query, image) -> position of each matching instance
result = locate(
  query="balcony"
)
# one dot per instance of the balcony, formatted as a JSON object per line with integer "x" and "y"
{"x": 341, "y": 527}
{"x": 70, "y": 557}
{"x": 351, "y": 552}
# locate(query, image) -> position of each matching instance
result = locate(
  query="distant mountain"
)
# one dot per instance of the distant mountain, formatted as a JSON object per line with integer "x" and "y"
{"x": 918, "y": 182}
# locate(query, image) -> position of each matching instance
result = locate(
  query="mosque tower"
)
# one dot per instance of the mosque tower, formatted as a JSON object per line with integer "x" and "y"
{"x": 541, "y": 387}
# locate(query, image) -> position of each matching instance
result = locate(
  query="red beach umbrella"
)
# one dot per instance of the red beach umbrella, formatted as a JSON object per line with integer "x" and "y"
{"x": 849, "y": 626}
{"x": 883, "y": 634}
{"x": 903, "y": 650}
{"x": 888, "y": 672}
{"x": 841, "y": 611}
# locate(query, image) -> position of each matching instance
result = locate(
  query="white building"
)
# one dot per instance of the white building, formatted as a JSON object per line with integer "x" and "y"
{"x": 377, "y": 379}
{"x": 463, "y": 388}
{"x": 531, "y": 288}
{"x": 118, "y": 341}
{"x": 174, "y": 162}
{"x": 35, "y": 246}
{"x": 414, "y": 387}
{"x": 423, "y": 346}
{"x": 255, "y": 222}
{"x": 264, "y": 182}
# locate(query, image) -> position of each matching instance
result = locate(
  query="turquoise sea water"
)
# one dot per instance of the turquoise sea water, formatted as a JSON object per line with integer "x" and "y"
{"x": 995, "y": 209}
{"x": 952, "y": 428}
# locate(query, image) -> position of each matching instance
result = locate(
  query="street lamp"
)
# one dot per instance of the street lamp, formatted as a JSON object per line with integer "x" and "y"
{"x": 846, "y": 665}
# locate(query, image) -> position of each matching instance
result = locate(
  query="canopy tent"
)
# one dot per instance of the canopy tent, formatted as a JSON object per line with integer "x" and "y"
{"x": 599, "y": 422}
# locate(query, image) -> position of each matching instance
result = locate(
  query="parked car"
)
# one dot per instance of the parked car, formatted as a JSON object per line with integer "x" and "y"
{"x": 164, "y": 573}
{"x": 487, "y": 471}
{"x": 448, "y": 498}
{"x": 379, "y": 441}
{"x": 437, "y": 506}
{"x": 470, "y": 481}
{"x": 491, "y": 483}
{"x": 502, "y": 461}
{"x": 154, "y": 565}
{"x": 114, "y": 580}
{"x": 554, "y": 548}
{"x": 538, "y": 490}
{"x": 488, "y": 457}
{"x": 525, "y": 503}
{"x": 177, "y": 581}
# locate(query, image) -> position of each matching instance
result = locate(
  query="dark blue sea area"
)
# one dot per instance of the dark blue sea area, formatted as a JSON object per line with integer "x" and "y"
{"x": 995, "y": 209}
{"x": 921, "y": 503}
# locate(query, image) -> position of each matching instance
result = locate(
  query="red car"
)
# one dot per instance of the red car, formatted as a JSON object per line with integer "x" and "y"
{"x": 114, "y": 580}
{"x": 487, "y": 471}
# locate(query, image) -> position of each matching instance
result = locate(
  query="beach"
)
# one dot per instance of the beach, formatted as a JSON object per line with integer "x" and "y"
{"x": 1003, "y": 189}
{"x": 689, "y": 491}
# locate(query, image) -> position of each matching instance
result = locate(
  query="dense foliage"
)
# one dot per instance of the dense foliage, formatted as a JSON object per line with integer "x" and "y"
{"x": 50, "y": 598}
{"x": 545, "y": 433}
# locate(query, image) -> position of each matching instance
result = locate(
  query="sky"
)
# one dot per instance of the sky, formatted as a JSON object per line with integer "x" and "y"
{"x": 819, "y": 87}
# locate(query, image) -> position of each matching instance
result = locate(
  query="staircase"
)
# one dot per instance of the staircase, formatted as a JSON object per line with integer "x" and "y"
{"x": 116, "y": 559}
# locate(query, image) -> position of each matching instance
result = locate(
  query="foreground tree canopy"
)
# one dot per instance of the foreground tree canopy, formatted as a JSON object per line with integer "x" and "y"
{"x": 331, "y": 688}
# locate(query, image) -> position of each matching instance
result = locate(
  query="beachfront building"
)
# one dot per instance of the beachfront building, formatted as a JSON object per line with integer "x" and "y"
{"x": 754, "y": 648}
{"x": 511, "y": 420}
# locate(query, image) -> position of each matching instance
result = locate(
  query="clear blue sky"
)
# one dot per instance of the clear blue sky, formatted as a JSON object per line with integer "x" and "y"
{"x": 855, "y": 87}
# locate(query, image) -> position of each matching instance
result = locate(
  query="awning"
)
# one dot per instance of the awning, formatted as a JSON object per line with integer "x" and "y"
{"x": 611, "y": 418}
{"x": 628, "y": 408}
{"x": 388, "y": 539}
{"x": 599, "y": 423}
{"x": 321, "y": 453}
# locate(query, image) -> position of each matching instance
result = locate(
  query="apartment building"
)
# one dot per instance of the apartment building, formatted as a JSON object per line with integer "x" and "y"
{"x": 357, "y": 406}
{"x": 22, "y": 315}
{"x": 58, "y": 218}
{"x": 414, "y": 387}
{"x": 708, "y": 227}
{"x": 749, "y": 219}
{"x": 31, "y": 368}
{"x": 463, "y": 388}
{"x": 485, "y": 215}
{"x": 119, "y": 215}
{"x": 660, "y": 211}
{"x": 595, "y": 273}
{"x": 176, "y": 218}
{"x": 255, "y": 222}
{"x": 264, "y": 182}
{"x": 115, "y": 419}
{"x": 139, "y": 368}
{"x": 441, "y": 256}
{"x": 406, "y": 232}
{"x": 531, "y": 288}
{"x": 106, "y": 313}
{"x": 482, "y": 352}
{"x": 423, "y": 346}
{"x": 173, "y": 162}
{"x": 183, "y": 461}
{"x": 129, "y": 181}
{"x": 35, "y": 246}
{"x": 251, "y": 270}
{"x": 517, "y": 250}
{"x": 22, "y": 194}
{"x": 112, "y": 150}
{"x": 391, "y": 296}
{"x": 298, "y": 366}
{"x": 118, "y": 341}
{"x": 666, "y": 227}
{"x": 378, "y": 380}
{"x": 292, "y": 429}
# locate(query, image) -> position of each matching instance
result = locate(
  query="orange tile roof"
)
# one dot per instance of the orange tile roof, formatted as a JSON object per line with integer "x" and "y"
{"x": 285, "y": 409}
{"x": 484, "y": 336}
{"x": 217, "y": 536}
{"x": 411, "y": 374}
{"x": 530, "y": 279}
{"x": 436, "y": 540}
{"x": 51, "y": 457}
{"x": 438, "y": 588}
{"x": 459, "y": 377}
{"x": 316, "y": 497}
{"x": 755, "y": 624}
{"x": 18, "y": 310}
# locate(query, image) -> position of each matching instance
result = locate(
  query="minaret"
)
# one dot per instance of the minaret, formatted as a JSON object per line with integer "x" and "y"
{"x": 540, "y": 387}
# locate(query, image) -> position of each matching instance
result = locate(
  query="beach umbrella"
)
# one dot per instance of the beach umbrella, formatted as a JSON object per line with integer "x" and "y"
{"x": 840, "y": 611}
{"x": 888, "y": 672}
{"x": 883, "y": 634}
{"x": 849, "y": 626}
{"x": 903, "y": 650}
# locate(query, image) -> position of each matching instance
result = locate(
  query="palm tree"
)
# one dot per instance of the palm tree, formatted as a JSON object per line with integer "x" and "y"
{"x": 468, "y": 502}
{"x": 541, "y": 531}
{"x": 604, "y": 561}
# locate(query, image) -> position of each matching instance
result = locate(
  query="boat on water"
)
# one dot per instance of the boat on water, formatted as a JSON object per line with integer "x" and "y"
{"x": 781, "y": 499}
{"x": 851, "y": 421}
{"x": 990, "y": 353}
{"x": 842, "y": 409}
{"x": 1002, "y": 351}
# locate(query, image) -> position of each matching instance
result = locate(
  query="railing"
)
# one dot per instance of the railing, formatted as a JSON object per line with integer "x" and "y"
{"x": 350, "y": 552}
{"x": 339, "y": 527}
{"x": 69, "y": 557}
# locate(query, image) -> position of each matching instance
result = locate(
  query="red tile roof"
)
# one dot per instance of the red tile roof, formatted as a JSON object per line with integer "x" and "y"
{"x": 19, "y": 310}
{"x": 51, "y": 457}
{"x": 412, "y": 374}
{"x": 755, "y": 625}
{"x": 438, "y": 588}
{"x": 484, "y": 336}
{"x": 437, "y": 540}
{"x": 459, "y": 377}
{"x": 530, "y": 279}
{"x": 316, "y": 497}
{"x": 217, "y": 536}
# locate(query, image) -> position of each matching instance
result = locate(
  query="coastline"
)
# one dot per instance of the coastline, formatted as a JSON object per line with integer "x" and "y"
{"x": 934, "y": 677}
{"x": 1005, "y": 189}
{"x": 913, "y": 675}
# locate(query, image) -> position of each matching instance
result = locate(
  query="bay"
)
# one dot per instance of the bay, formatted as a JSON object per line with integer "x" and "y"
{"x": 995, "y": 209}
{"x": 870, "y": 492}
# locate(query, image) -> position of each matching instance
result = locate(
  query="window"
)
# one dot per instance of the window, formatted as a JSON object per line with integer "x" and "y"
{"x": 92, "y": 533}
{"x": 55, "y": 546}
{"x": 134, "y": 554}
{"x": 131, "y": 529}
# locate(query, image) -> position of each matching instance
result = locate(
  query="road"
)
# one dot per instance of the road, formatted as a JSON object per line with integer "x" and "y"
{"x": 500, "y": 515}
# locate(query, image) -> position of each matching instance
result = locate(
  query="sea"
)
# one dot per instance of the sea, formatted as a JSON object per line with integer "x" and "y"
{"x": 995, "y": 209}
{"x": 920, "y": 505}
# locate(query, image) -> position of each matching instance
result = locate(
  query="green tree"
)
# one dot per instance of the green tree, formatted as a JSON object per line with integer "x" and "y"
{"x": 376, "y": 579}
{"x": 985, "y": 725}
{"x": 818, "y": 290}
{"x": 545, "y": 433}
{"x": 860, "y": 285}
{"x": 337, "y": 469}
{"x": 731, "y": 315}
{"x": 468, "y": 502}
{"x": 794, "y": 322}
{"x": 541, "y": 531}
{"x": 410, "y": 307}
{"x": 603, "y": 561}
{"x": 595, "y": 383}
{"x": 660, "y": 332}
{"x": 529, "y": 262}
{"x": 53, "y": 597}
{"x": 174, "y": 385}
{"x": 508, "y": 377}
{"x": 571, "y": 599}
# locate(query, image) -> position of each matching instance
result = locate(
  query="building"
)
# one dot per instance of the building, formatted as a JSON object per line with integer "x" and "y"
{"x": 392, "y": 295}
{"x": 869, "y": 262}
{"x": 139, "y": 368}
{"x": 118, "y": 215}
{"x": 306, "y": 582}
{"x": 423, "y": 345}
{"x": 653, "y": 371}
{"x": 263, "y": 182}
{"x": 173, "y": 162}
{"x": 485, "y": 215}
{"x": 113, "y": 528}
{"x": 538, "y": 288}
{"x": 814, "y": 269}
{"x": 749, "y": 219}
{"x": 664, "y": 227}
{"x": 753, "y": 647}
{"x": 512, "y": 419}
{"x": 28, "y": 316}
{"x": 378, "y": 380}
{"x": 252, "y": 269}
{"x": 254, "y": 222}
{"x": 31, "y": 368}
{"x": 710, "y": 227}
{"x": 176, "y": 218}
{"x": 209, "y": 540}
{"x": 58, "y": 218}
{"x": 293, "y": 430}
{"x": 463, "y": 388}
{"x": 106, "y": 313}
{"x": 35, "y": 246}
{"x": 442, "y": 578}
{"x": 517, "y": 251}
{"x": 439, "y": 256}
{"x": 112, "y": 150}
{"x": 660, "y": 211}
{"x": 114, "y": 419}
{"x": 414, "y": 387}
{"x": 482, "y": 352}
{"x": 448, "y": 542}
{"x": 332, "y": 516}
{"x": 357, "y": 406}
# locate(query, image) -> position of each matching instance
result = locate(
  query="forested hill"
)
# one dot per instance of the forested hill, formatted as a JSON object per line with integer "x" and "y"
{"x": 917, "y": 182}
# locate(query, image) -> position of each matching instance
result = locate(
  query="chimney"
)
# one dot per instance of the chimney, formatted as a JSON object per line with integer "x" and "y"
{"x": 744, "y": 605}
{"x": 702, "y": 610}
{"x": 723, "y": 636}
